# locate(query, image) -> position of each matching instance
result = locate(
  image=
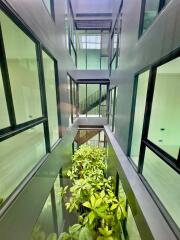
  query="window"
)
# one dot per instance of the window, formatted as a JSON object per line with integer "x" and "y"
{"x": 92, "y": 49}
{"x": 23, "y": 71}
{"x": 112, "y": 104}
{"x": 4, "y": 118}
{"x": 150, "y": 9}
{"x": 49, "y": 4}
{"x": 142, "y": 83}
{"x": 73, "y": 99}
{"x": 156, "y": 122}
{"x": 49, "y": 75}
{"x": 164, "y": 128}
{"x": 18, "y": 155}
{"x": 165, "y": 183}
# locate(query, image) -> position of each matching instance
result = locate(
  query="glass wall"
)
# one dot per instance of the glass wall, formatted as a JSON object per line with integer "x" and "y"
{"x": 4, "y": 118}
{"x": 82, "y": 99}
{"x": 44, "y": 227}
{"x": 165, "y": 183}
{"x": 93, "y": 92}
{"x": 49, "y": 75}
{"x": 142, "y": 84}
{"x": 164, "y": 128}
{"x": 18, "y": 155}
{"x": 160, "y": 152}
{"x": 58, "y": 204}
{"x": 92, "y": 49}
{"x": 73, "y": 99}
{"x": 112, "y": 105}
{"x": 25, "y": 143}
{"x": 151, "y": 9}
{"x": 90, "y": 101}
{"x": 23, "y": 71}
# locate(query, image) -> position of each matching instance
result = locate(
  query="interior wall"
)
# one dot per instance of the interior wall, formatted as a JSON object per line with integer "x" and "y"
{"x": 52, "y": 36}
{"x": 162, "y": 37}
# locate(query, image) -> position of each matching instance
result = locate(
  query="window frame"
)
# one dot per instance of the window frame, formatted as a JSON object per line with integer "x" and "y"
{"x": 52, "y": 13}
{"x": 162, "y": 5}
{"x": 116, "y": 54}
{"x": 145, "y": 143}
{"x": 14, "y": 128}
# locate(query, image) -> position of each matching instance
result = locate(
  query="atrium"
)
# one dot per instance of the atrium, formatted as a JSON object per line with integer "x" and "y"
{"x": 89, "y": 119}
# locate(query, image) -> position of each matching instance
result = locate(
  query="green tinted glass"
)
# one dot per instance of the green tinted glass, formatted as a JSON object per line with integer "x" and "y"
{"x": 49, "y": 75}
{"x": 23, "y": 71}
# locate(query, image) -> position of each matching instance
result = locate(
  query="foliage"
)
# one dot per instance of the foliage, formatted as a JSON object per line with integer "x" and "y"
{"x": 39, "y": 234}
{"x": 92, "y": 196}
{"x": 1, "y": 201}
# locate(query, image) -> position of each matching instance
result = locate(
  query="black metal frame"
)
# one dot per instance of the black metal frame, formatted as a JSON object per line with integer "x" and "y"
{"x": 162, "y": 4}
{"x": 15, "y": 128}
{"x": 145, "y": 142}
{"x": 114, "y": 106}
{"x": 118, "y": 22}
{"x": 52, "y": 13}
{"x": 70, "y": 41}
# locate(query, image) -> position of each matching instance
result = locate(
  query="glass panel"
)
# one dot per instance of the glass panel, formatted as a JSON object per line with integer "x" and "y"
{"x": 164, "y": 129}
{"x": 74, "y": 99}
{"x": 113, "y": 64}
{"x": 18, "y": 155}
{"x": 23, "y": 71}
{"x": 73, "y": 55}
{"x": 103, "y": 98}
{"x": 44, "y": 225}
{"x": 93, "y": 59}
{"x": 151, "y": 11}
{"x": 82, "y": 99}
{"x": 165, "y": 182}
{"x": 104, "y": 63}
{"x": 58, "y": 201}
{"x": 48, "y": 5}
{"x": 81, "y": 59}
{"x": 4, "y": 118}
{"x": 111, "y": 104}
{"x": 93, "y": 95}
{"x": 139, "y": 115}
{"x": 49, "y": 75}
{"x": 133, "y": 233}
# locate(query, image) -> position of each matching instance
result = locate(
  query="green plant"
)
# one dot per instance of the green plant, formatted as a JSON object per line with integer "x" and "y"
{"x": 1, "y": 201}
{"x": 39, "y": 234}
{"x": 92, "y": 196}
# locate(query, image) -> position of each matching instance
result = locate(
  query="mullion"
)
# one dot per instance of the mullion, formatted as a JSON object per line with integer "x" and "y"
{"x": 21, "y": 128}
{"x": 6, "y": 83}
{"x": 71, "y": 100}
{"x": 172, "y": 162}
{"x": 147, "y": 115}
{"x": 114, "y": 107}
{"x": 57, "y": 96}
{"x": 43, "y": 95}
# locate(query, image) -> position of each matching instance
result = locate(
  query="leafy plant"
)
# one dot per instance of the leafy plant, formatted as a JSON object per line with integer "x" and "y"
{"x": 39, "y": 234}
{"x": 92, "y": 196}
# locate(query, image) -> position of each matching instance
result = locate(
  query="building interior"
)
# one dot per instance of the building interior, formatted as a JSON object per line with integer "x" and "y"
{"x": 101, "y": 75}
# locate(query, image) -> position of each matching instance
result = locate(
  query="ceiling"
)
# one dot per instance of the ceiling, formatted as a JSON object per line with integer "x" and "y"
{"x": 92, "y": 7}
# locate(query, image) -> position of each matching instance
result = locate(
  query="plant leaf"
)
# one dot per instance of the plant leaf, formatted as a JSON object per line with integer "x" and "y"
{"x": 87, "y": 204}
{"x": 91, "y": 217}
{"x": 93, "y": 201}
{"x": 52, "y": 236}
{"x": 74, "y": 228}
{"x": 98, "y": 202}
{"x": 114, "y": 206}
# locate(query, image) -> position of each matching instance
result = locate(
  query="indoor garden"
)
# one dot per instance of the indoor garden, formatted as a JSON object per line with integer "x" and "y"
{"x": 92, "y": 197}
